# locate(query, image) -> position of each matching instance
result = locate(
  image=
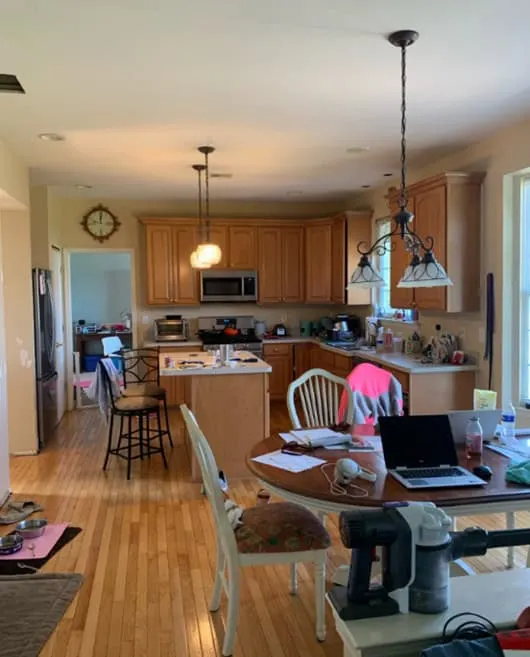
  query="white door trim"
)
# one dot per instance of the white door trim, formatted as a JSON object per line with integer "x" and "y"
{"x": 68, "y": 311}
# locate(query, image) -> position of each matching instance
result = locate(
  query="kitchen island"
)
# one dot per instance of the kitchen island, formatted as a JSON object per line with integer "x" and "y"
{"x": 230, "y": 403}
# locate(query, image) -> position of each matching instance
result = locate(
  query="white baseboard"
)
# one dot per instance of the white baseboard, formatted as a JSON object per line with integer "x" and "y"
{"x": 32, "y": 452}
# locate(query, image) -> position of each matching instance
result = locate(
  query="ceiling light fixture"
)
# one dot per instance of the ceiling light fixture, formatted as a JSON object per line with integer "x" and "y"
{"x": 356, "y": 150}
{"x": 51, "y": 136}
{"x": 208, "y": 253}
{"x": 387, "y": 175}
{"x": 83, "y": 186}
{"x": 423, "y": 271}
{"x": 195, "y": 260}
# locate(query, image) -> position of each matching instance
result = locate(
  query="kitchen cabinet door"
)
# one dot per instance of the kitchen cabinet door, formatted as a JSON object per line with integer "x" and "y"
{"x": 270, "y": 265}
{"x": 338, "y": 260}
{"x": 318, "y": 238}
{"x": 159, "y": 265}
{"x": 243, "y": 247}
{"x": 431, "y": 220}
{"x": 400, "y": 297}
{"x": 281, "y": 375}
{"x": 219, "y": 236}
{"x": 292, "y": 242}
{"x": 185, "y": 278}
{"x": 302, "y": 358}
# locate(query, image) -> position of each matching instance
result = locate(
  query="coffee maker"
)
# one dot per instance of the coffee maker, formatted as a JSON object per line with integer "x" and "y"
{"x": 346, "y": 328}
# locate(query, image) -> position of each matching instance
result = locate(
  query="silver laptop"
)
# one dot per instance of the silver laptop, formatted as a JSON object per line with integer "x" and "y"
{"x": 488, "y": 421}
{"x": 420, "y": 452}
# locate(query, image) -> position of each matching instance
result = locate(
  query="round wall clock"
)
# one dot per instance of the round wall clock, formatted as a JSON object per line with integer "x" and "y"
{"x": 100, "y": 223}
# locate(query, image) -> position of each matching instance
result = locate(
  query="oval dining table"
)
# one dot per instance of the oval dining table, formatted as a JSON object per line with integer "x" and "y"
{"x": 311, "y": 488}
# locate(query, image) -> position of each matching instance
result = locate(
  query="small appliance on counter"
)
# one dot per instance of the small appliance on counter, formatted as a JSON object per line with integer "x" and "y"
{"x": 279, "y": 331}
{"x": 172, "y": 328}
{"x": 345, "y": 328}
{"x": 260, "y": 328}
{"x": 306, "y": 329}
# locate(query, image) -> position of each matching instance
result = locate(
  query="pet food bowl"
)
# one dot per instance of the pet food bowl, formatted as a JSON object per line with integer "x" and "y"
{"x": 11, "y": 543}
{"x": 32, "y": 528}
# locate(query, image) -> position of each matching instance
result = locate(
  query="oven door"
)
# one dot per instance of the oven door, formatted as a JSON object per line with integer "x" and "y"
{"x": 226, "y": 286}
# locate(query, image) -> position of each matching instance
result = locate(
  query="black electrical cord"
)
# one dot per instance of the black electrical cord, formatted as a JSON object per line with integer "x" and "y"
{"x": 476, "y": 627}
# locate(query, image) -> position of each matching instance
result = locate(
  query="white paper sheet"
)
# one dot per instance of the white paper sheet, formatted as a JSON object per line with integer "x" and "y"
{"x": 514, "y": 456}
{"x": 288, "y": 462}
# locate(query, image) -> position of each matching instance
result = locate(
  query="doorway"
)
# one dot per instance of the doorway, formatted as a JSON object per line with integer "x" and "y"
{"x": 60, "y": 360}
{"x": 101, "y": 303}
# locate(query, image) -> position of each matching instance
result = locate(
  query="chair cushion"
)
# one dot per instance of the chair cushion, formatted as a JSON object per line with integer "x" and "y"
{"x": 280, "y": 527}
{"x": 143, "y": 390}
{"x": 136, "y": 404}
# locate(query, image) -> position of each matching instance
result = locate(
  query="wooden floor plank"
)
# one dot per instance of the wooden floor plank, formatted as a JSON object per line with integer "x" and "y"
{"x": 147, "y": 552}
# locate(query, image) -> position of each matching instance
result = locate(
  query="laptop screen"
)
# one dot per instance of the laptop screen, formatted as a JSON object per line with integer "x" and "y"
{"x": 417, "y": 441}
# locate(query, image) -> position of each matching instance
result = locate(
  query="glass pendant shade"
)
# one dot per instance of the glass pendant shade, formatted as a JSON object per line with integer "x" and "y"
{"x": 197, "y": 263}
{"x": 365, "y": 275}
{"x": 427, "y": 272}
{"x": 209, "y": 253}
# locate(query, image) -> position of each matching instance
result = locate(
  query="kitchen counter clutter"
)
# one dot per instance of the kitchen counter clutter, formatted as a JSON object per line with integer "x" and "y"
{"x": 202, "y": 363}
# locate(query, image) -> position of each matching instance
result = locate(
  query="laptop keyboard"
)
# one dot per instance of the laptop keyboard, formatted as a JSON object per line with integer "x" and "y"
{"x": 427, "y": 473}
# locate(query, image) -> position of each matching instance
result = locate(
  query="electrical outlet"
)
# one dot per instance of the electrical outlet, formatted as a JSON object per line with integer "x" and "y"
{"x": 482, "y": 335}
{"x": 145, "y": 319}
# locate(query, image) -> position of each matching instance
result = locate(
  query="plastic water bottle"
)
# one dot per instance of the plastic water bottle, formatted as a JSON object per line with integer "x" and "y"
{"x": 474, "y": 438}
{"x": 508, "y": 422}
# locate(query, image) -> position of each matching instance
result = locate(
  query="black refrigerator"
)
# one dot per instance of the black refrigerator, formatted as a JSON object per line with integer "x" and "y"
{"x": 44, "y": 320}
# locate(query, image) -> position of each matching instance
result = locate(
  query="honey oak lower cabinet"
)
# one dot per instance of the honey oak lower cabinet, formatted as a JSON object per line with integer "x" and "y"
{"x": 177, "y": 387}
{"x": 280, "y": 358}
{"x": 302, "y": 358}
{"x": 170, "y": 279}
{"x": 281, "y": 264}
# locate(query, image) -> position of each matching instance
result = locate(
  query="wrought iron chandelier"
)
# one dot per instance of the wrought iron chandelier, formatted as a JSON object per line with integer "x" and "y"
{"x": 424, "y": 270}
{"x": 207, "y": 253}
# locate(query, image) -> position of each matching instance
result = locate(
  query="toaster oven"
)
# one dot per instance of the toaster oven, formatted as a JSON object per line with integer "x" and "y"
{"x": 171, "y": 329}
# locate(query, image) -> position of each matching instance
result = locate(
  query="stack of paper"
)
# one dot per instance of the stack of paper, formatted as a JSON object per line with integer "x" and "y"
{"x": 289, "y": 462}
{"x": 320, "y": 437}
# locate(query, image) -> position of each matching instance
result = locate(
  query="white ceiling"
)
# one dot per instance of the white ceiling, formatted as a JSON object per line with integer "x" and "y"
{"x": 281, "y": 88}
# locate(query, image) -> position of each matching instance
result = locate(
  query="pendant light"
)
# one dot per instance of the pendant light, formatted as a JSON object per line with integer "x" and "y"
{"x": 208, "y": 252}
{"x": 423, "y": 270}
{"x": 195, "y": 260}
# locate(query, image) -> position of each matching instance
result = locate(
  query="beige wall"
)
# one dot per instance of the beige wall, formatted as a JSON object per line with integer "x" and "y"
{"x": 40, "y": 239}
{"x": 502, "y": 154}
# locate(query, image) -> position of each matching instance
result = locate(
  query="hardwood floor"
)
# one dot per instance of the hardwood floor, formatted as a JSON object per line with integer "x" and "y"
{"x": 147, "y": 553}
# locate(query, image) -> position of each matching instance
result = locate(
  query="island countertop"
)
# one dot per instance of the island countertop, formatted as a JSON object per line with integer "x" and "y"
{"x": 206, "y": 365}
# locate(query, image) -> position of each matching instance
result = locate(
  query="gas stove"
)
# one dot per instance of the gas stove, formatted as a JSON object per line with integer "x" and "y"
{"x": 215, "y": 337}
{"x": 211, "y": 332}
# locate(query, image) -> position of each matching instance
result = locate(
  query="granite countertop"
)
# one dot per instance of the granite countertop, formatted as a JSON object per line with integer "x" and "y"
{"x": 236, "y": 367}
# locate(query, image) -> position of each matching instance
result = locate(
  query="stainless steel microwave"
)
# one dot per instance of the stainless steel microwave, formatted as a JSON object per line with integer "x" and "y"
{"x": 229, "y": 286}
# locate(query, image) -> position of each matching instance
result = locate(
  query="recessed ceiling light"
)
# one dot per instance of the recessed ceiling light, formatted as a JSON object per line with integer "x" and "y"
{"x": 295, "y": 192}
{"x": 226, "y": 176}
{"x": 83, "y": 186}
{"x": 365, "y": 186}
{"x": 388, "y": 175}
{"x": 51, "y": 136}
{"x": 355, "y": 150}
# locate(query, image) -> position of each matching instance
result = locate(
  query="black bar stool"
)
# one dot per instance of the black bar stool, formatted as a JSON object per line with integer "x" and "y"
{"x": 141, "y": 378}
{"x": 128, "y": 408}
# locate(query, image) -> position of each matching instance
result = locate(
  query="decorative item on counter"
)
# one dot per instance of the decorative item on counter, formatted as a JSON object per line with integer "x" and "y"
{"x": 440, "y": 348}
{"x": 169, "y": 363}
{"x": 413, "y": 344}
{"x": 260, "y": 328}
{"x": 370, "y": 328}
{"x": 397, "y": 344}
{"x": 306, "y": 328}
{"x": 484, "y": 400}
{"x": 380, "y": 340}
{"x": 457, "y": 358}
{"x": 388, "y": 339}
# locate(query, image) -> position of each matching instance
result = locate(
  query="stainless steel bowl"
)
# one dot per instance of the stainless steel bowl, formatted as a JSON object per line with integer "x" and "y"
{"x": 32, "y": 528}
{"x": 11, "y": 543}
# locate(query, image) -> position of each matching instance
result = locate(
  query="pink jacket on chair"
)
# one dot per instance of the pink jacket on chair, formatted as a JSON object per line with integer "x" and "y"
{"x": 375, "y": 392}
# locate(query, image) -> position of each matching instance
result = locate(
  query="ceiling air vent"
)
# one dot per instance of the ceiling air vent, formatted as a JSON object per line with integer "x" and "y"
{"x": 9, "y": 84}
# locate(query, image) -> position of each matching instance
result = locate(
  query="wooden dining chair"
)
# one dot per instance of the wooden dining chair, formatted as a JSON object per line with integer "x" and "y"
{"x": 319, "y": 393}
{"x": 276, "y": 533}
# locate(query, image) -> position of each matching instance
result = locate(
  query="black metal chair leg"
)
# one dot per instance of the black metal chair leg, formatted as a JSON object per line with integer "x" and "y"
{"x": 129, "y": 447}
{"x": 160, "y": 436}
{"x": 141, "y": 436}
{"x": 148, "y": 428}
{"x": 164, "y": 401}
{"x": 109, "y": 443}
{"x": 120, "y": 436}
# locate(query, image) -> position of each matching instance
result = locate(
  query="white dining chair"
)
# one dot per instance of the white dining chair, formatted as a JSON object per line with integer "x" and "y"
{"x": 320, "y": 393}
{"x": 246, "y": 547}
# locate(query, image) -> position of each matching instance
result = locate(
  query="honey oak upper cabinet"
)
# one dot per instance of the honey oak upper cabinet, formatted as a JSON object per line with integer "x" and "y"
{"x": 243, "y": 249}
{"x": 280, "y": 265}
{"x": 219, "y": 236}
{"x": 447, "y": 208}
{"x": 170, "y": 279}
{"x": 338, "y": 259}
{"x": 358, "y": 229}
{"x": 318, "y": 239}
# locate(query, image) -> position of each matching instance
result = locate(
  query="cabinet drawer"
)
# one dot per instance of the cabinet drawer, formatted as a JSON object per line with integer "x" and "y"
{"x": 276, "y": 349}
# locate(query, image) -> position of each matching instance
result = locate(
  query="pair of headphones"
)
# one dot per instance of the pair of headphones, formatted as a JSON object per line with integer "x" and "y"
{"x": 347, "y": 469}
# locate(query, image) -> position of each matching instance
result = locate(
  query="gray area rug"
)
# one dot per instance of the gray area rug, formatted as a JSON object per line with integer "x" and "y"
{"x": 31, "y": 606}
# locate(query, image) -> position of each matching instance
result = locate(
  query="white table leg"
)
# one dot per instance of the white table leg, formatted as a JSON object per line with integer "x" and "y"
{"x": 340, "y": 576}
{"x": 510, "y": 524}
